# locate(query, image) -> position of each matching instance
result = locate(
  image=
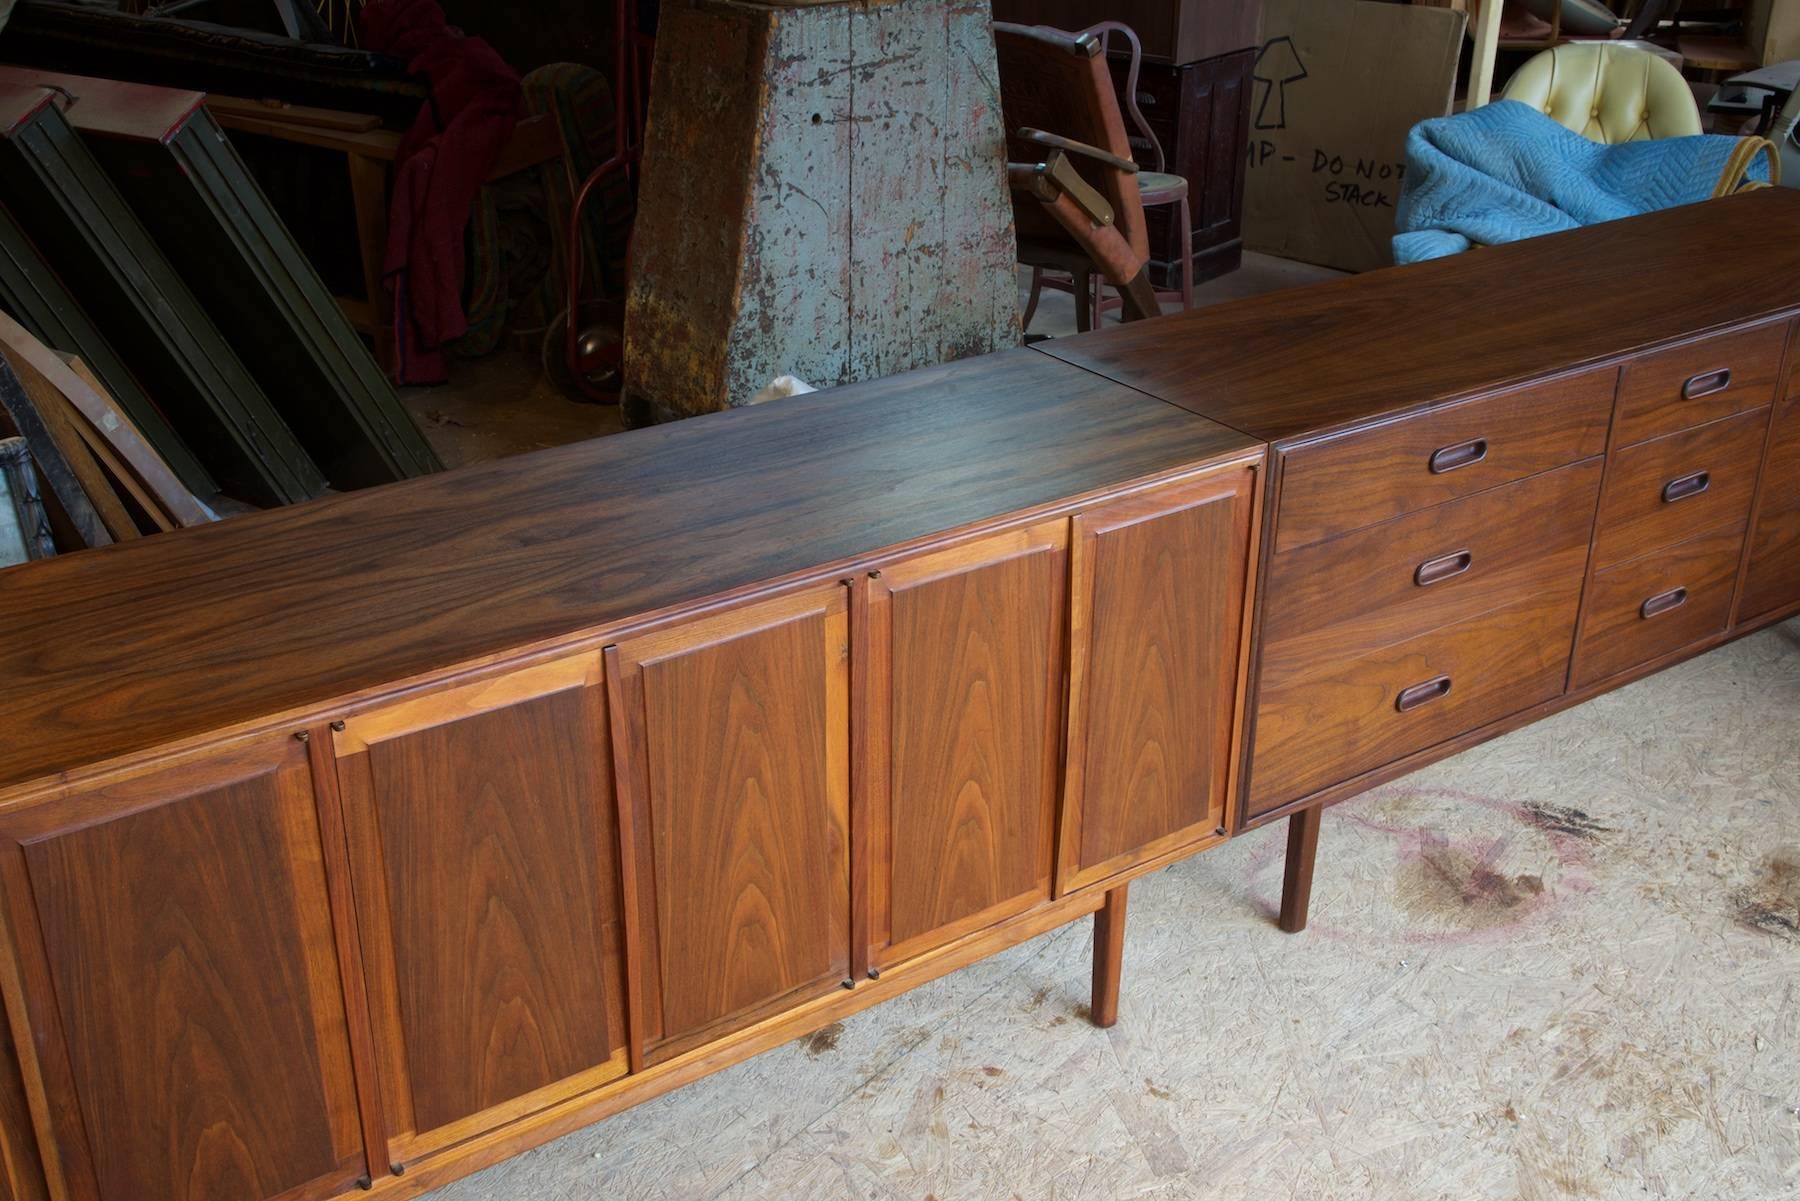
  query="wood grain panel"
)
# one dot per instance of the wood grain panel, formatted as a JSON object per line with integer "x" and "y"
{"x": 966, "y": 705}
{"x": 1340, "y": 599}
{"x": 1774, "y": 578}
{"x": 1699, "y": 382}
{"x": 1345, "y": 483}
{"x": 487, "y": 848}
{"x": 186, "y": 938}
{"x": 311, "y": 603}
{"x": 1157, "y": 610}
{"x": 1345, "y": 718}
{"x": 1618, "y": 632}
{"x": 1307, "y": 361}
{"x": 739, "y": 773}
{"x": 1635, "y": 518}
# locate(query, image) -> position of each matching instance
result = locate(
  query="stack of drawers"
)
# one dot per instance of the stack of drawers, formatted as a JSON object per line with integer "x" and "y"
{"x": 1426, "y": 579}
{"x": 1687, "y": 447}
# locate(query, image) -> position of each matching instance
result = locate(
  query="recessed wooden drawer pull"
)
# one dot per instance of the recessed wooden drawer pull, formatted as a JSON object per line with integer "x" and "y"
{"x": 1686, "y": 486}
{"x": 1706, "y": 384}
{"x": 1461, "y": 455}
{"x": 1663, "y": 602}
{"x": 1436, "y": 571}
{"x": 1422, "y": 694}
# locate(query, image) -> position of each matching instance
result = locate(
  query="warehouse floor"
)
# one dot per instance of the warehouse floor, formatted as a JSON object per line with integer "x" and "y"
{"x": 1565, "y": 964}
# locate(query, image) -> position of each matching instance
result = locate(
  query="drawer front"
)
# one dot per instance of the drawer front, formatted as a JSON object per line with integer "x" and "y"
{"x": 1678, "y": 487}
{"x": 1774, "y": 579}
{"x": 1353, "y": 717}
{"x": 1698, "y": 382}
{"x": 1346, "y": 483}
{"x": 1658, "y": 604}
{"x": 1340, "y": 599}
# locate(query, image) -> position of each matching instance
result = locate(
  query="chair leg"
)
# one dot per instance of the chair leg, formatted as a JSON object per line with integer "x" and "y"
{"x": 1187, "y": 256}
{"x": 1031, "y": 301}
{"x": 1099, "y": 300}
{"x": 1084, "y": 310}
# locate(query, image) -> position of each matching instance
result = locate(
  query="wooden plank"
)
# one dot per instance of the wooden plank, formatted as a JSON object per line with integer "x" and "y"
{"x": 291, "y": 114}
{"x": 96, "y": 406}
{"x": 104, "y": 451}
{"x": 60, "y": 481}
{"x": 64, "y": 427}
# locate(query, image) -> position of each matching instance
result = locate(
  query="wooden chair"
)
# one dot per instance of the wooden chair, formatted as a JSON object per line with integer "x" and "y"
{"x": 1077, "y": 199}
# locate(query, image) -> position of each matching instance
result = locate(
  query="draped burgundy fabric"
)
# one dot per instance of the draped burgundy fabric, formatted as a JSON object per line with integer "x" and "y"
{"x": 443, "y": 160}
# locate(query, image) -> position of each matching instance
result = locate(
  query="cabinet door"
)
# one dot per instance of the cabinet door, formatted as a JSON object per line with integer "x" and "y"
{"x": 1156, "y": 646}
{"x": 964, "y": 715}
{"x": 484, "y": 854}
{"x": 732, "y": 737}
{"x": 173, "y": 963}
{"x": 1774, "y": 580}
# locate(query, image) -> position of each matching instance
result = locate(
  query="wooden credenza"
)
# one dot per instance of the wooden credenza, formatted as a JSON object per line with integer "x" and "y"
{"x": 361, "y": 844}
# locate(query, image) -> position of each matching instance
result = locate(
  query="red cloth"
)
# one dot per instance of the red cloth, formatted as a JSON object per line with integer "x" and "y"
{"x": 444, "y": 158}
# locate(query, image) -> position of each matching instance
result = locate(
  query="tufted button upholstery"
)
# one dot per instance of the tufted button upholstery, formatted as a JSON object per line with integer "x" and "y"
{"x": 1608, "y": 92}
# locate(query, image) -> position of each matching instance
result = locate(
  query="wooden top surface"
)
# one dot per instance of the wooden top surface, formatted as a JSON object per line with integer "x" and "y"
{"x": 113, "y": 107}
{"x": 1320, "y": 358}
{"x": 116, "y": 650}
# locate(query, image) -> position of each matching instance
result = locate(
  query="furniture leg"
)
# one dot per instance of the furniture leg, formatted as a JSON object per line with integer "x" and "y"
{"x": 1296, "y": 884}
{"x": 1084, "y": 302}
{"x": 1031, "y": 301}
{"x": 1187, "y": 255}
{"x": 1109, "y": 957}
{"x": 368, "y": 195}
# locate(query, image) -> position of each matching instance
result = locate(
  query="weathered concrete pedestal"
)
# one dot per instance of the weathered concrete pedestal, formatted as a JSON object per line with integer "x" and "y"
{"x": 823, "y": 194}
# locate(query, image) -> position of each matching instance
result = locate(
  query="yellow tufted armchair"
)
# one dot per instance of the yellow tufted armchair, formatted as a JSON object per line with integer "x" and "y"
{"x": 1608, "y": 92}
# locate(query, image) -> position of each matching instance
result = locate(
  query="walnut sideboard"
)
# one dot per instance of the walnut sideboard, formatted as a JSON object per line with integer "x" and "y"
{"x": 360, "y": 844}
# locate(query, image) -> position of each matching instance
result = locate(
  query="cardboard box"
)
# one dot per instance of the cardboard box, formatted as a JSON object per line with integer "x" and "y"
{"x": 1779, "y": 24}
{"x": 1337, "y": 86}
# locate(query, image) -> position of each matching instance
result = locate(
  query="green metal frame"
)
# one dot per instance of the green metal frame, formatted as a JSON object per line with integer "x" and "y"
{"x": 72, "y": 212}
{"x": 33, "y": 294}
{"x": 202, "y": 205}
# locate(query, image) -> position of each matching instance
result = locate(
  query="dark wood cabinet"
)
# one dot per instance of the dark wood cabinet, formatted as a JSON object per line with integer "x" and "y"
{"x": 485, "y": 862}
{"x": 173, "y": 931}
{"x": 734, "y": 768}
{"x": 1200, "y": 114}
{"x": 1158, "y": 597}
{"x": 964, "y": 704}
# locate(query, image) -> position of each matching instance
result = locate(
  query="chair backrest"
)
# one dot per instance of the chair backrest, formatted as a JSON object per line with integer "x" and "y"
{"x": 1060, "y": 83}
{"x": 1608, "y": 92}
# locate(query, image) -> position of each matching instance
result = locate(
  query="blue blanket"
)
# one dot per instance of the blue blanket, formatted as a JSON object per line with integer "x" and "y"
{"x": 1506, "y": 171}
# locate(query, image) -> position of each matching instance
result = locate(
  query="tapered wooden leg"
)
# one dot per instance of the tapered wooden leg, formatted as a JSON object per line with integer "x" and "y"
{"x": 1296, "y": 884}
{"x": 1109, "y": 957}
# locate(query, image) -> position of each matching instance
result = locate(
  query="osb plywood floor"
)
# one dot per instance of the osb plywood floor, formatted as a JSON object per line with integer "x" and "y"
{"x": 1561, "y": 965}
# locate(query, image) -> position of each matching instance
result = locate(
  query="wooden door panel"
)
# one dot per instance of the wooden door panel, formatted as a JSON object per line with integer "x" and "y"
{"x": 486, "y": 861}
{"x": 737, "y": 763}
{"x": 173, "y": 940}
{"x": 965, "y": 709}
{"x": 1155, "y": 672}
